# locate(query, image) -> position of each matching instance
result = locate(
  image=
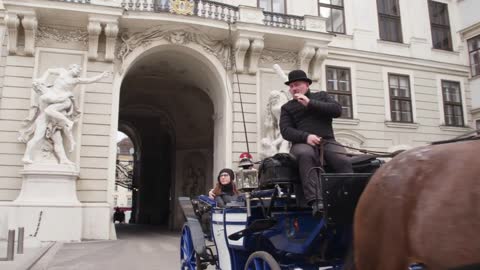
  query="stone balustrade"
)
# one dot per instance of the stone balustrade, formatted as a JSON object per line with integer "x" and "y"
{"x": 211, "y": 10}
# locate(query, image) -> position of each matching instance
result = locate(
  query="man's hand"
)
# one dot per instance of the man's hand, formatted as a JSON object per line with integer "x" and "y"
{"x": 211, "y": 194}
{"x": 313, "y": 140}
{"x": 304, "y": 100}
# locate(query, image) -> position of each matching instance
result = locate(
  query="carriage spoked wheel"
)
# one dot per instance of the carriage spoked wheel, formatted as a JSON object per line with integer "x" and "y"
{"x": 261, "y": 260}
{"x": 188, "y": 257}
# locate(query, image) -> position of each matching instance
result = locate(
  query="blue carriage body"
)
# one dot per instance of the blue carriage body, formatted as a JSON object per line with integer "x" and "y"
{"x": 296, "y": 240}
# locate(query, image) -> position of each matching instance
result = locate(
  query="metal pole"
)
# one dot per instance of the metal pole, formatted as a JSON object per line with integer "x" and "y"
{"x": 21, "y": 232}
{"x": 247, "y": 199}
{"x": 10, "y": 245}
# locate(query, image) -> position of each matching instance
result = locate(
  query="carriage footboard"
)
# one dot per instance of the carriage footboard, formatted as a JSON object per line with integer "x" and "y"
{"x": 341, "y": 193}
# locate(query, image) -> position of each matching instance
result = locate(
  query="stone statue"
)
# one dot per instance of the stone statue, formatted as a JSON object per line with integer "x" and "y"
{"x": 54, "y": 112}
{"x": 273, "y": 141}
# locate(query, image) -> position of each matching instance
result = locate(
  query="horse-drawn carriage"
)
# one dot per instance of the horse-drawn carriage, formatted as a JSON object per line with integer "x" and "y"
{"x": 267, "y": 228}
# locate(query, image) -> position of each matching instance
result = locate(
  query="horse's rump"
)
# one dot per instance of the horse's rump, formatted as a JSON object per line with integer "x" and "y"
{"x": 422, "y": 206}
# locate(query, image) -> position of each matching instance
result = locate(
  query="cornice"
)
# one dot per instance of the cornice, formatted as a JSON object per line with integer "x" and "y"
{"x": 470, "y": 31}
{"x": 383, "y": 59}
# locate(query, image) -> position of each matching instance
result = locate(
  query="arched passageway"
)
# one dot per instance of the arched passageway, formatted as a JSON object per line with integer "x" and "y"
{"x": 171, "y": 98}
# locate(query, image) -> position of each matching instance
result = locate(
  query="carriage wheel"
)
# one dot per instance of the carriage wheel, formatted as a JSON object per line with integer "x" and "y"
{"x": 261, "y": 260}
{"x": 188, "y": 257}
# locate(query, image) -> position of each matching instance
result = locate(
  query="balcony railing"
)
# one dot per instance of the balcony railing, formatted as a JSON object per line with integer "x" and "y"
{"x": 205, "y": 9}
{"x": 200, "y": 8}
{"x": 284, "y": 20}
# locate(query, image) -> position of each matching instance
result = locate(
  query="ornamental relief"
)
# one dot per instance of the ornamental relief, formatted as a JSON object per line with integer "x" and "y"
{"x": 46, "y": 33}
{"x": 174, "y": 35}
{"x": 285, "y": 58}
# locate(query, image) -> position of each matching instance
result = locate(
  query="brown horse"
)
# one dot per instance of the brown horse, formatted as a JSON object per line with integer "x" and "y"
{"x": 423, "y": 206}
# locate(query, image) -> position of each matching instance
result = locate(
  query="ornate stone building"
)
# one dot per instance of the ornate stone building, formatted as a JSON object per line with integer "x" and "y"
{"x": 174, "y": 73}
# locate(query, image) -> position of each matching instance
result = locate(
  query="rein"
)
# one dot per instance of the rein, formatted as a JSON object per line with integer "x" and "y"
{"x": 363, "y": 151}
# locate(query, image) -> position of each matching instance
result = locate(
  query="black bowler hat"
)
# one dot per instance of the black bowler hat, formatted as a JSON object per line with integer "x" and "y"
{"x": 297, "y": 75}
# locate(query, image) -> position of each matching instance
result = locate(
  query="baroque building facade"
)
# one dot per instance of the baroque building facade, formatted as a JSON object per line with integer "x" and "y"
{"x": 183, "y": 71}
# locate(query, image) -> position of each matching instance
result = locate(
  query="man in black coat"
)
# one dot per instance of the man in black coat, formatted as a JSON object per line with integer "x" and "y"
{"x": 306, "y": 121}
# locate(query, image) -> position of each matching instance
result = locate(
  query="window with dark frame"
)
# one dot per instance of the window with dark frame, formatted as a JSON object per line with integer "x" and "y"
{"x": 339, "y": 87}
{"x": 452, "y": 103}
{"x": 276, "y": 6}
{"x": 400, "y": 98}
{"x": 477, "y": 126}
{"x": 474, "y": 52}
{"x": 390, "y": 23}
{"x": 333, "y": 12}
{"x": 440, "y": 25}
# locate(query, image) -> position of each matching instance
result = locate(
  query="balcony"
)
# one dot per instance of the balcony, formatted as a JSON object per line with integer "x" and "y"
{"x": 200, "y": 8}
{"x": 211, "y": 10}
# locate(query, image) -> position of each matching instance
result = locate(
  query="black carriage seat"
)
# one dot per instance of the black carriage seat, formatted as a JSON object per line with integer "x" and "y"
{"x": 280, "y": 169}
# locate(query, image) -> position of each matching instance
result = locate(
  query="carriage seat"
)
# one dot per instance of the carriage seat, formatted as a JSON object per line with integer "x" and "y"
{"x": 282, "y": 169}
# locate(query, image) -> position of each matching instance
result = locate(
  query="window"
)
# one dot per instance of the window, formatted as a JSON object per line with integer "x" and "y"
{"x": 115, "y": 201}
{"x": 389, "y": 20}
{"x": 452, "y": 103}
{"x": 277, "y": 6}
{"x": 400, "y": 98}
{"x": 474, "y": 51}
{"x": 339, "y": 87}
{"x": 332, "y": 11}
{"x": 116, "y": 187}
{"x": 477, "y": 126}
{"x": 129, "y": 202}
{"x": 440, "y": 25}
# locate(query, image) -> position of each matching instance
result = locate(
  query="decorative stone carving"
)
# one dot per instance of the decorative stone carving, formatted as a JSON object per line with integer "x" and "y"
{"x": 53, "y": 114}
{"x": 273, "y": 141}
{"x": 29, "y": 23}
{"x": 175, "y": 35}
{"x": 241, "y": 47}
{"x": 12, "y": 21}
{"x": 94, "y": 30}
{"x": 305, "y": 56}
{"x": 44, "y": 33}
{"x": 279, "y": 57}
{"x": 182, "y": 7}
{"x": 312, "y": 51}
{"x": 320, "y": 56}
{"x": 111, "y": 32}
{"x": 256, "y": 49}
{"x": 194, "y": 177}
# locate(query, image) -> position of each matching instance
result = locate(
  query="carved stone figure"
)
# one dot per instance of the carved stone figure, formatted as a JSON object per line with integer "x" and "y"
{"x": 174, "y": 35}
{"x": 54, "y": 112}
{"x": 273, "y": 141}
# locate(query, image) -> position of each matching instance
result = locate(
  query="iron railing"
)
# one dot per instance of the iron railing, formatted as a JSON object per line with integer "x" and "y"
{"x": 283, "y": 20}
{"x": 201, "y": 8}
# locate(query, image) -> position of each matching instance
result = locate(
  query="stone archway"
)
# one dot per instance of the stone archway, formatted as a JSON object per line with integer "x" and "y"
{"x": 183, "y": 91}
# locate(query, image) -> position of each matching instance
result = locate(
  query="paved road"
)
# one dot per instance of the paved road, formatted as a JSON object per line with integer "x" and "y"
{"x": 137, "y": 247}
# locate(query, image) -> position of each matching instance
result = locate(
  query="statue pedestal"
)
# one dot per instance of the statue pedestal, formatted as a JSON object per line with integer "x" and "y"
{"x": 47, "y": 206}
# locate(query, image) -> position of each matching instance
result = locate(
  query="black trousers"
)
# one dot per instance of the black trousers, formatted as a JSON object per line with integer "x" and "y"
{"x": 308, "y": 157}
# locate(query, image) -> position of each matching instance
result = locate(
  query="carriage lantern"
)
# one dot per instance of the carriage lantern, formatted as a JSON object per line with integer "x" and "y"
{"x": 247, "y": 178}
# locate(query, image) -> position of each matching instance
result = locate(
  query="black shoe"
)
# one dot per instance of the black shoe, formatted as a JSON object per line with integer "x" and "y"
{"x": 317, "y": 208}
